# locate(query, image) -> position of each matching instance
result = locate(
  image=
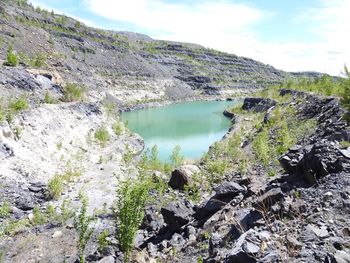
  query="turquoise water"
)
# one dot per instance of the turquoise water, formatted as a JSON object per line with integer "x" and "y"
{"x": 194, "y": 126}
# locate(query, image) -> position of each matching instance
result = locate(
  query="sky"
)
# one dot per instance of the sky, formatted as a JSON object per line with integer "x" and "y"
{"x": 293, "y": 35}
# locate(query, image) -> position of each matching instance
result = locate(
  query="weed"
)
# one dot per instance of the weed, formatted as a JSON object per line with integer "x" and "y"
{"x": 176, "y": 158}
{"x": 102, "y": 136}
{"x": 11, "y": 58}
{"x": 102, "y": 240}
{"x": 55, "y": 187}
{"x": 5, "y": 209}
{"x": 73, "y": 92}
{"x": 49, "y": 99}
{"x": 18, "y": 105}
{"x": 118, "y": 128}
{"x": 38, "y": 217}
{"x": 131, "y": 199}
{"x": 82, "y": 225}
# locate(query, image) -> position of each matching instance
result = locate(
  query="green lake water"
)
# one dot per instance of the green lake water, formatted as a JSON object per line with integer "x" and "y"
{"x": 194, "y": 126}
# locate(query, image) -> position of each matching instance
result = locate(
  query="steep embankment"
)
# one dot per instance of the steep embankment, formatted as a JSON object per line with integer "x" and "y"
{"x": 121, "y": 62}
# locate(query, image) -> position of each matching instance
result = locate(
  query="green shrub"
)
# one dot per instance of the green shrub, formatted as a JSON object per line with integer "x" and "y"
{"x": 176, "y": 158}
{"x": 131, "y": 199}
{"x": 82, "y": 225}
{"x": 48, "y": 99}
{"x": 38, "y": 60}
{"x": 261, "y": 146}
{"x": 5, "y": 210}
{"x": 73, "y": 92}
{"x": 38, "y": 217}
{"x": 217, "y": 169}
{"x": 18, "y": 105}
{"x": 102, "y": 136}
{"x": 11, "y": 58}
{"x": 102, "y": 239}
{"x": 55, "y": 187}
{"x": 118, "y": 128}
{"x": 346, "y": 94}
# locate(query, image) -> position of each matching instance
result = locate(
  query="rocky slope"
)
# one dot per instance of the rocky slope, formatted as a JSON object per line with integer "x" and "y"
{"x": 301, "y": 215}
{"x": 118, "y": 62}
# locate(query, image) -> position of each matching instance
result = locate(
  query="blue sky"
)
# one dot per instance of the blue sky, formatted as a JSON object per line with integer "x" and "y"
{"x": 293, "y": 35}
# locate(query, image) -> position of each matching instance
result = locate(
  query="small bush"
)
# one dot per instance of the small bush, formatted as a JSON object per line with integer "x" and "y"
{"x": 176, "y": 158}
{"x": 11, "y": 58}
{"x": 345, "y": 100}
{"x": 38, "y": 60}
{"x": 48, "y": 99}
{"x": 132, "y": 196}
{"x": 102, "y": 136}
{"x": 82, "y": 225}
{"x": 5, "y": 210}
{"x": 261, "y": 146}
{"x": 118, "y": 128}
{"x": 38, "y": 217}
{"x": 18, "y": 105}
{"x": 217, "y": 169}
{"x": 55, "y": 187}
{"x": 102, "y": 240}
{"x": 73, "y": 92}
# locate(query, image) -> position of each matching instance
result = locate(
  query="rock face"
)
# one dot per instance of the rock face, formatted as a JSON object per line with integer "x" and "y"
{"x": 182, "y": 175}
{"x": 258, "y": 104}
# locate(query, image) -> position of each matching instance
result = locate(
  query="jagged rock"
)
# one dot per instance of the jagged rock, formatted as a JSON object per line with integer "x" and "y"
{"x": 225, "y": 193}
{"x": 182, "y": 175}
{"x": 153, "y": 219}
{"x": 268, "y": 199}
{"x": 258, "y": 104}
{"x": 177, "y": 214}
{"x": 245, "y": 219}
{"x": 245, "y": 249}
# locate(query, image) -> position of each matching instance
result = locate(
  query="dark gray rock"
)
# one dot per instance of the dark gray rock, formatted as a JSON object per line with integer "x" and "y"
{"x": 268, "y": 199}
{"x": 177, "y": 214}
{"x": 258, "y": 104}
{"x": 245, "y": 249}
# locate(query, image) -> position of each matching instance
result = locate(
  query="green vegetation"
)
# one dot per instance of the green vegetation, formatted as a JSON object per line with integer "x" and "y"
{"x": 55, "y": 186}
{"x": 18, "y": 105}
{"x": 73, "y": 92}
{"x": 82, "y": 224}
{"x": 132, "y": 196}
{"x": 5, "y": 209}
{"x": 346, "y": 94}
{"x": 49, "y": 99}
{"x": 39, "y": 218}
{"x": 102, "y": 240}
{"x": 176, "y": 158}
{"x": 102, "y": 136}
{"x": 11, "y": 58}
{"x": 118, "y": 128}
{"x": 56, "y": 183}
{"x": 38, "y": 61}
{"x": 344, "y": 144}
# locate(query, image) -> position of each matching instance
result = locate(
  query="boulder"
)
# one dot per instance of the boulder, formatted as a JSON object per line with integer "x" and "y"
{"x": 177, "y": 214}
{"x": 258, "y": 104}
{"x": 182, "y": 175}
{"x": 268, "y": 199}
{"x": 245, "y": 249}
{"x": 225, "y": 193}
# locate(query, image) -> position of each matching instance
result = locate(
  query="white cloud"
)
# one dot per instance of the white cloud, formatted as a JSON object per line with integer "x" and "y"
{"x": 228, "y": 26}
